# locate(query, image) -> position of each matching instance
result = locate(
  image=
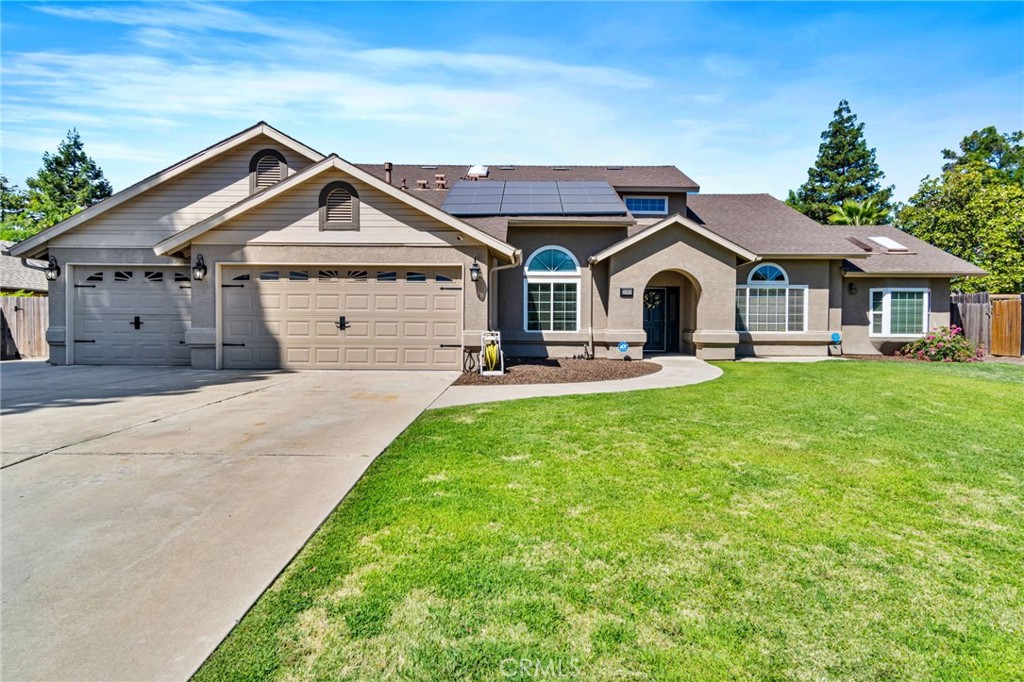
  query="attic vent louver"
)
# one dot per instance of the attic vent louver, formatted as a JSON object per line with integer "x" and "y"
{"x": 339, "y": 206}
{"x": 268, "y": 172}
{"x": 560, "y": 168}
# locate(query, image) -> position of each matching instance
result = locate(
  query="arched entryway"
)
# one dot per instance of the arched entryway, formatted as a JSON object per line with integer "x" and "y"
{"x": 669, "y": 303}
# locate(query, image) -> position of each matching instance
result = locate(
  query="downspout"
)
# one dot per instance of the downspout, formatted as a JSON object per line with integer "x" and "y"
{"x": 593, "y": 297}
{"x": 517, "y": 260}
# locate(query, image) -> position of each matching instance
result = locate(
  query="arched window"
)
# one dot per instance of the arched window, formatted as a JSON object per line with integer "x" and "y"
{"x": 339, "y": 207}
{"x": 266, "y": 168}
{"x": 551, "y": 291}
{"x": 769, "y": 303}
{"x": 767, "y": 272}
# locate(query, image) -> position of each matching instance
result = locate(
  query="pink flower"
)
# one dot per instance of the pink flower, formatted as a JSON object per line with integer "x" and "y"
{"x": 940, "y": 344}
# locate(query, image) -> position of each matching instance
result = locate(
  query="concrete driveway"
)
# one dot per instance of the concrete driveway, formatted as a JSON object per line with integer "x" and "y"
{"x": 145, "y": 509}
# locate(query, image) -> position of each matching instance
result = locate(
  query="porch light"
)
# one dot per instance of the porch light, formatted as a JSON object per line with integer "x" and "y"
{"x": 474, "y": 271}
{"x": 852, "y": 288}
{"x": 52, "y": 270}
{"x": 199, "y": 269}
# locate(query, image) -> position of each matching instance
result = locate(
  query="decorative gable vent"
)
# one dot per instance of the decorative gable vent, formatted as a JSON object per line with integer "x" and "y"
{"x": 339, "y": 206}
{"x": 268, "y": 172}
{"x": 266, "y": 168}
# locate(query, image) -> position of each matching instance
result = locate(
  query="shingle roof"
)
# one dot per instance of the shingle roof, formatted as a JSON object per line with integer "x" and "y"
{"x": 16, "y": 277}
{"x": 920, "y": 258}
{"x": 763, "y": 224}
{"x": 620, "y": 177}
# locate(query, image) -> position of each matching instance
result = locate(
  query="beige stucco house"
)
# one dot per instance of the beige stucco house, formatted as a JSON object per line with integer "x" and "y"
{"x": 262, "y": 252}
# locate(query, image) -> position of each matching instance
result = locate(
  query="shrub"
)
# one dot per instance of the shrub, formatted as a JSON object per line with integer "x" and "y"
{"x": 945, "y": 344}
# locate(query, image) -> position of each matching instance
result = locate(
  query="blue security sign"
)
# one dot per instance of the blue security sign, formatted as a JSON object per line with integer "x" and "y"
{"x": 836, "y": 337}
{"x": 623, "y": 346}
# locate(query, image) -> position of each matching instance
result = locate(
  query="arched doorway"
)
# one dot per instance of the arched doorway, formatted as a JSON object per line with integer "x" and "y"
{"x": 670, "y": 312}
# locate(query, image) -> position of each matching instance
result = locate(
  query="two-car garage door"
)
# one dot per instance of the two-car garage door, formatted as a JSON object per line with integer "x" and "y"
{"x": 331, "y": 317}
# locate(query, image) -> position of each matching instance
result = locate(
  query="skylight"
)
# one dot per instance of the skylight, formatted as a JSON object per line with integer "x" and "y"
{"x": 888, "y": 244}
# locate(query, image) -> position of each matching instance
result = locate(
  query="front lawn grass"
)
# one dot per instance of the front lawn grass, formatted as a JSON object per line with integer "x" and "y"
{"x": 842, "y": 520}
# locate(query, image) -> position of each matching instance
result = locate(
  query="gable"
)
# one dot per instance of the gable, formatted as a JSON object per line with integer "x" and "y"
{"x": 675, "y": 228}
{"x": 191, "y": 197}
{"x": 293, "y": 218}
{"x": 333, "y": 163}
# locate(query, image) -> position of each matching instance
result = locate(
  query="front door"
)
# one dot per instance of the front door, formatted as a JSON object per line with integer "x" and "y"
{"x": 655, "y": 305}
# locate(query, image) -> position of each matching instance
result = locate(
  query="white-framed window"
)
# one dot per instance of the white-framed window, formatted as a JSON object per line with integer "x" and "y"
{"x": 551, "y": 291}
{"x": 643, "y": 205}
{"x": 899, "y": 312}
{"x": 769, "y": 303}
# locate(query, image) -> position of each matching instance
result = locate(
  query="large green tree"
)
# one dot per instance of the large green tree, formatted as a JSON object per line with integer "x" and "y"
{"x": 68, "y": 182}
{"x": 976, "y": 212}
{"x": 846, "y": 170}
{"x": 1002, "y": 152}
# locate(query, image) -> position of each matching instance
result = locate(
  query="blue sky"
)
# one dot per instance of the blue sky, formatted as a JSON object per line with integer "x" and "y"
{"x": 735, "y": 94}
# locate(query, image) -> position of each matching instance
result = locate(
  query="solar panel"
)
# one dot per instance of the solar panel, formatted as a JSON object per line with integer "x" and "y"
{"x": 524, "y": 197}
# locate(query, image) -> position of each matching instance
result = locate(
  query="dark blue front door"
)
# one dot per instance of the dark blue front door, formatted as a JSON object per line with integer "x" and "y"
{"x": 654, "y": 318}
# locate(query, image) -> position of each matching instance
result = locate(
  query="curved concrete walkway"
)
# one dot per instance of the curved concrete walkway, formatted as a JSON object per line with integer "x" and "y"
{"x": 677, "y": 370}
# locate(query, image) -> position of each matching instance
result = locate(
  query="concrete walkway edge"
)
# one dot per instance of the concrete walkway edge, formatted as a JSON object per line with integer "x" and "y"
{"x": 677, "y": 370}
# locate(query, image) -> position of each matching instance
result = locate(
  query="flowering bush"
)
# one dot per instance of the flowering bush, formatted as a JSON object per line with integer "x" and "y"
{"x": 945, "y": 344}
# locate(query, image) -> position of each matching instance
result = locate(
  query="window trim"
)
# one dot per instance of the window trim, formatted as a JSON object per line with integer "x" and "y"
{"x": 926, "y": 312}
{"x": 777, "y": 285}
{"x": 538, "y": 277}
{"x": 663, "y": 197}
{"x": 322, "y": 203}
{"x": 255, "y": 161}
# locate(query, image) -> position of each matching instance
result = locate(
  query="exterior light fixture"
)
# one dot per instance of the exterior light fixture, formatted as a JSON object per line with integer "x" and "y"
{"x": 852, "y": 288}
{"x": 199, "y": 269}
{"x": 474, "y": 271}
{"x": 52, "y": 270}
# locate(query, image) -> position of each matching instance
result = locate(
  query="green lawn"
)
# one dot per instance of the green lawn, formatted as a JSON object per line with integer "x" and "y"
{"x": 847, "y": 520}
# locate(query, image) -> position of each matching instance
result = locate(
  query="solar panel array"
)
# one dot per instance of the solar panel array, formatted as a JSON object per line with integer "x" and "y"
{"x": 515, "y": 197}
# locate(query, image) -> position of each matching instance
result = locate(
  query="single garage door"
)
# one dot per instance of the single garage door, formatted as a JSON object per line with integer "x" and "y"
{"x": 329, "y": 317}
{"x": 131, "y": 316}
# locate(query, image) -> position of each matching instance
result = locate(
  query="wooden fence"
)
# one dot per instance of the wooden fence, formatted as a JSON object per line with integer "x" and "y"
{"x": 990, "y": 320}
{"x": 23, "y": 323}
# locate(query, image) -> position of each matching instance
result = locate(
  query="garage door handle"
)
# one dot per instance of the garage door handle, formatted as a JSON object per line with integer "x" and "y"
{"x": 137, "y": 322}
{"x": 85, "y": 340}
{"x": 233, "y": 345}
{"x": 342, "y": 323}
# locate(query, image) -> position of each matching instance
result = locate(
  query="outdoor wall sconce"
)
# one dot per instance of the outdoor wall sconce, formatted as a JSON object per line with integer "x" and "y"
{"x": 852, "y": 288}
{"x": 52, "y": 270}
{"x": 474, "y": 271}
{"x": 199, "y": 269}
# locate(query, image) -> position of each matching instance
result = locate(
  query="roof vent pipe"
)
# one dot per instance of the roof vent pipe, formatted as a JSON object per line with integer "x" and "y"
{"x": 388, "y": 166}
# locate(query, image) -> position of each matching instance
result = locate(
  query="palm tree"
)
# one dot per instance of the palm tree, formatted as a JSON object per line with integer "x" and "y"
{"x": 858, "y": 213}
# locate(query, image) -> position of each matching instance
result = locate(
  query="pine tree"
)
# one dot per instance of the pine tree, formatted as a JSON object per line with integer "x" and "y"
{"x": 12, "y": 211}
{"x": 68, "y": 182}
{"x": 846, "y": 170}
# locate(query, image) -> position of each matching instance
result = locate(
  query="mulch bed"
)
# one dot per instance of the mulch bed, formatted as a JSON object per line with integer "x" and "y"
{"x": 560, "y": 371}
{"x": 904, "y": 358}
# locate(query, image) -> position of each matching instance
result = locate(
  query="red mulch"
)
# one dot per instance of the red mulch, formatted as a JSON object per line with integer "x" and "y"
{"x": 560, "y": 371}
